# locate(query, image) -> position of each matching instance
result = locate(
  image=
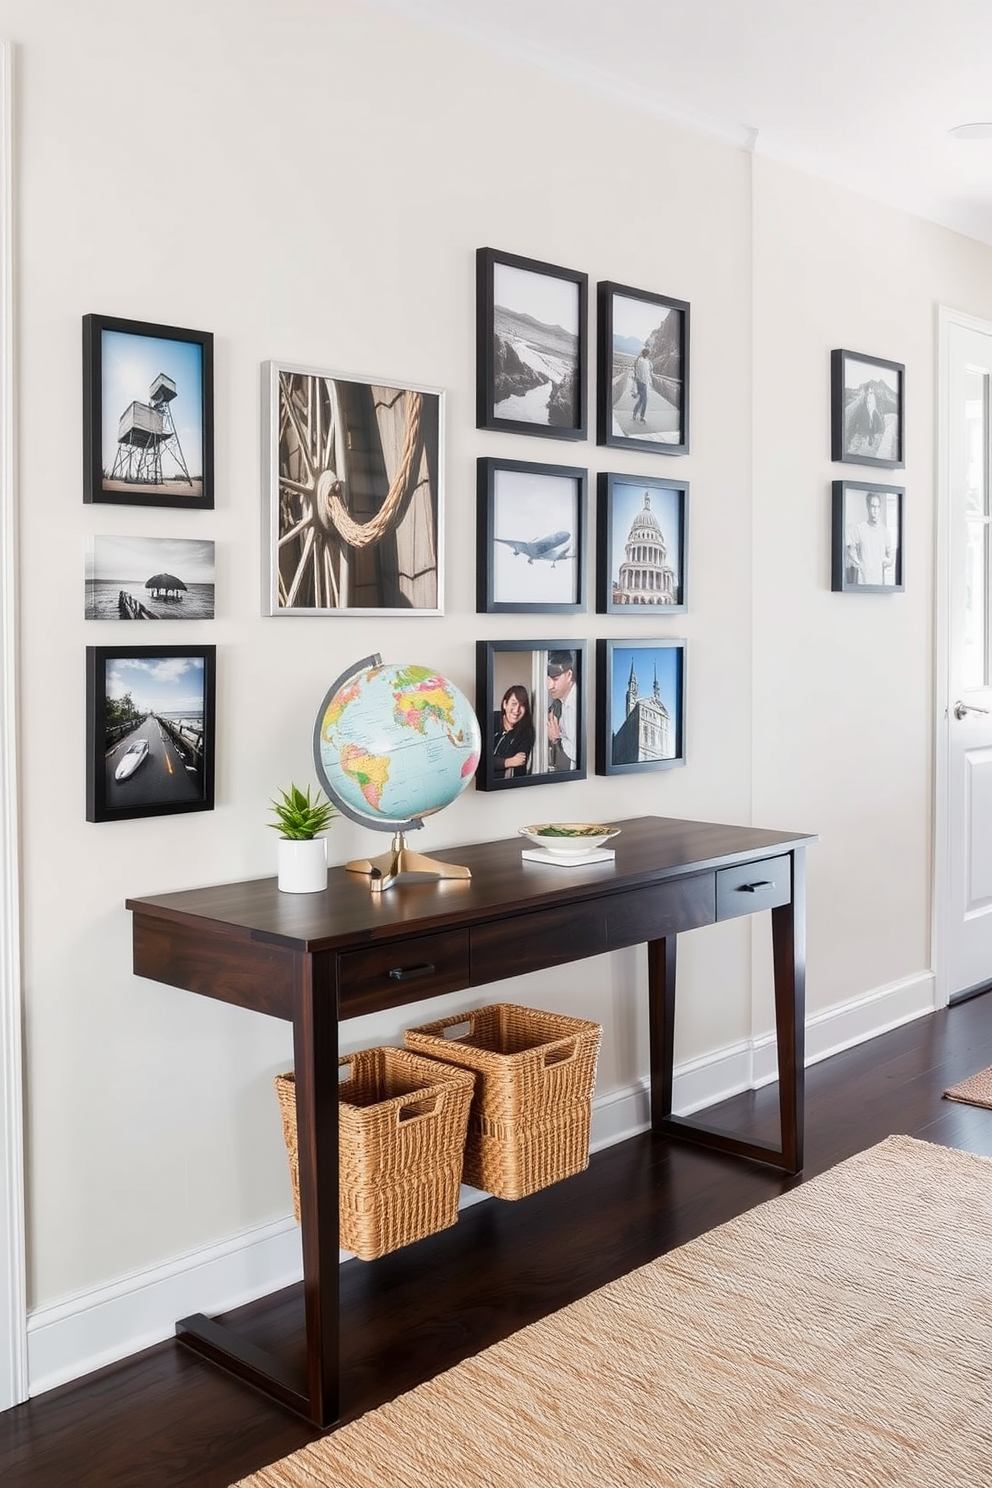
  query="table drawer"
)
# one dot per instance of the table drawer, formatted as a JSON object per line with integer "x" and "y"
{"x": 529, "y": 942}
{"x": 402, "y": 971}
{"x": 661, "y": 909}
{"x": 754, "y": 886}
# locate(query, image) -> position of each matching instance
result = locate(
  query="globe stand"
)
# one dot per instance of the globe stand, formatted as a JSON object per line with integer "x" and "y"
{"x": 386, "y": 868}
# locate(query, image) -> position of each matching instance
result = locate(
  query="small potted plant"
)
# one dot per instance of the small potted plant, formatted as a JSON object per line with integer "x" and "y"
{"x": 302, "y": 860}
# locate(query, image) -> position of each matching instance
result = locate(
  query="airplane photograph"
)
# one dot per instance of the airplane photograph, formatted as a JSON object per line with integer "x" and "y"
{"x": 531, "y": 520}
{"x": 548, "y": 549}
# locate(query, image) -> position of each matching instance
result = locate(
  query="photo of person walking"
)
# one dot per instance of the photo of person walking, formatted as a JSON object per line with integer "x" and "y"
{"x": 643, "y": 370}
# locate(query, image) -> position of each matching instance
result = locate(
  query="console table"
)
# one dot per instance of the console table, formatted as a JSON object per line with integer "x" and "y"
{"x": 314, "y": 959}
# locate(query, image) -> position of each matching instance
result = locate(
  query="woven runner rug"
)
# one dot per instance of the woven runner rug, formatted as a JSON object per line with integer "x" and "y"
{"x": 839, "y": 1336}
{"x": 975, "y": 1091}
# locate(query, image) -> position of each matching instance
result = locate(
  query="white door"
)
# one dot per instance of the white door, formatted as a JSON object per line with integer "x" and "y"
{"x": 963, "y": 880}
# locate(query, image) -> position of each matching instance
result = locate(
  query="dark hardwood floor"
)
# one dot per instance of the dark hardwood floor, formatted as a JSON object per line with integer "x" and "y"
{"x": 165, "y": 1417}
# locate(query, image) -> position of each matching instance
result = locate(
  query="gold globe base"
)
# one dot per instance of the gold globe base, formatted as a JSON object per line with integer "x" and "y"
{"x": 385, "y": 869}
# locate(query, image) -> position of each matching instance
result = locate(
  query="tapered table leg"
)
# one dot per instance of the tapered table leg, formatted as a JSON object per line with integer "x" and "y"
{"x": 789, "y": 960}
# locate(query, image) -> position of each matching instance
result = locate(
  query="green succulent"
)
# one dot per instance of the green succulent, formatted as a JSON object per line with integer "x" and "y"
{"x": 299, "y": 817}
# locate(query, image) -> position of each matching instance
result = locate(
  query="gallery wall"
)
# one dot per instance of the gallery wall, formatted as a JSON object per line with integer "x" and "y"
{"x": 310, "y": 183}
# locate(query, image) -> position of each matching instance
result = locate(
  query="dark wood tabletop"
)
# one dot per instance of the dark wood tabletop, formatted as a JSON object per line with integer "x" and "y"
{"x": 648, "y": 850}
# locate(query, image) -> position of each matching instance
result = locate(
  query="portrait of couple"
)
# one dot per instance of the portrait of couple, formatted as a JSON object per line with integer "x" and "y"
{"x": 536, "y": 720}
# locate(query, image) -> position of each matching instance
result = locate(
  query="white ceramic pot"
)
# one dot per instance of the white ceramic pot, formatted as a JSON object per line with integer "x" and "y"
{"x": 302, "y": 865}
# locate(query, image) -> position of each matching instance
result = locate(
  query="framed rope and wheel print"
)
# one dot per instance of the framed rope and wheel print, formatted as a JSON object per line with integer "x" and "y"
{"x": 354, "y": 520}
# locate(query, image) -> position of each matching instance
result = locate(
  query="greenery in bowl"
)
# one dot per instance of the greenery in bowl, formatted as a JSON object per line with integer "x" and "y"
{"x": 298, "y": 817}
{"x": 562, "y": 838}
{"x": 585, "y": 830}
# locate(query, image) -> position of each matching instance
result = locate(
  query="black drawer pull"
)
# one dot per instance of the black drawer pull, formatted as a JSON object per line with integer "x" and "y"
{"x": 752, "y": 888}
{"x": 406, "y": 973}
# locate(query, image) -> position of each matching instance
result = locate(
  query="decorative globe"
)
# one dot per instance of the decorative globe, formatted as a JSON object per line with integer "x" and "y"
{"x": 394, "y": 743}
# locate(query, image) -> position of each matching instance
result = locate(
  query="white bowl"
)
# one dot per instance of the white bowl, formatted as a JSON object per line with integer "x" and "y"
{"x": 568, "y": 838}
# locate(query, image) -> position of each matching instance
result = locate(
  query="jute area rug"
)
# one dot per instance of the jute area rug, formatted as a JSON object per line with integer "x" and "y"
{"x": 975, "y": 1091}
{"x": 839, "y": 1336}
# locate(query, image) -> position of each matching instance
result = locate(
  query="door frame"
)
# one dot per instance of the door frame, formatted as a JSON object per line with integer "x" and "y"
{"x": 947, "y": 318}
{"x": 13, "y": 1306}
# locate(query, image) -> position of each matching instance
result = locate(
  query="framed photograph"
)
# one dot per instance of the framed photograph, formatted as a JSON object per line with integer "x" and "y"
{"x": 149, "y": 731}
{"x": 531, "y": 703}
{"x": 531, "y": 535}
{"x": 354, "y": 521}
{"x": 531, "y": 346}
{"x": 643, "y": 383}
{"x": 867, "y": 410}
{"x": 149, "y": 578}
{"x": 642, "y": 526}
{"x": 640, "y": 702}
{"x": 867, "y": 542}
{"x": 148, "y": 414}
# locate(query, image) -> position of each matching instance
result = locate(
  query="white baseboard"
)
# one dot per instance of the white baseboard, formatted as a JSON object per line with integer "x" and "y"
{"x": 82, "y": 1333}
{"x": 94, "y": 1328}
{"x": 850, "y": 1023}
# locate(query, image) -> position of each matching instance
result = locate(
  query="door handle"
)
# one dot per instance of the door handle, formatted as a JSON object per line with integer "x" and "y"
{"x": 960, "y": 709}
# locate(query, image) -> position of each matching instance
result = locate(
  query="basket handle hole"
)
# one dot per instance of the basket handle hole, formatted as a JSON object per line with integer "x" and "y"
{"x": 458, "y": 1030}
{"x": 561, "y": 1053}
{"x": 344, "y": 1072}
{"x": 425, "y": 1107}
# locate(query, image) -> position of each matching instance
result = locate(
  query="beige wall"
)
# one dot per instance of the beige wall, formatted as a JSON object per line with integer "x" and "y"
{"x": 843, "y": 684}
{"x": 310, "y": 182}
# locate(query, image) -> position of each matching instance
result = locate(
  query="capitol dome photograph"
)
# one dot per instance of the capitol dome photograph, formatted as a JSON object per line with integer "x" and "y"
{"x": 642, "y": 526}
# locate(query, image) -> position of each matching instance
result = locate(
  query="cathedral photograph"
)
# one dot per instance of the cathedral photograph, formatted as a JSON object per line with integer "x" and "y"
{"x": 641, "y": 705}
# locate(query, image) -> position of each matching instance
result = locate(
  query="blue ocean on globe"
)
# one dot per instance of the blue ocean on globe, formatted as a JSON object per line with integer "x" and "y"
{"x": 395, "y": 743}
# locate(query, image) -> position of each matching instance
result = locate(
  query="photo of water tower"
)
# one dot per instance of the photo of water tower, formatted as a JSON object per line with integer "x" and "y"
{"x": 147, "y": 413}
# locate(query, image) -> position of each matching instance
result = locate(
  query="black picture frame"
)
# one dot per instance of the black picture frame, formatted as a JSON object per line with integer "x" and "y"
{"x": 642, "y": 537}
{"x": 531, "y": 666}
{"x": 630, "y": 320}
{"x": 531, "y": 524}
{"x": 139, "y": 449}
{"x": 867, "y": 410}
{"x": 861, "y": 559}
{"x": 353, "y": 470}
{"x": 640, "y": 705}
{"x": 531, "y": 346}
{"x": 164, "y": 696}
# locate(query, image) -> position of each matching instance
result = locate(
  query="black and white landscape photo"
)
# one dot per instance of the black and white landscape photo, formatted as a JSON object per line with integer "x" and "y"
{"x": 532, "y": 347}
{"x": 149, "y": 578}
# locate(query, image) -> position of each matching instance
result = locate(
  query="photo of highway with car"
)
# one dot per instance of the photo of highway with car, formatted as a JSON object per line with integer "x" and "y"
{"x": 151, "y": 712}
{"x": 160, "y": 760}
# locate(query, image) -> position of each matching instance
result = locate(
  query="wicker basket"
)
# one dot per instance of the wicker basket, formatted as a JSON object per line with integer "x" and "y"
{"x": 402, "y": 1122}
{"x": 530, "y": 1118}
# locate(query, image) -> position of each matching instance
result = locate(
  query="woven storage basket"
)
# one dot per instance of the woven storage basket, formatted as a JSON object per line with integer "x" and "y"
{"x": 530, "y": 1118}
{"x": 402, "y": 1121}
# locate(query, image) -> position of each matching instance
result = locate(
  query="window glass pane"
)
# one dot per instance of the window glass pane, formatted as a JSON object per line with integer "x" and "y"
{"x": 976, "y": 435}
{"x": 975, "y": 657}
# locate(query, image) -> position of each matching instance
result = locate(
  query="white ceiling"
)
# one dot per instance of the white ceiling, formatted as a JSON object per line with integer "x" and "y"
{"x": 861, "y": 92}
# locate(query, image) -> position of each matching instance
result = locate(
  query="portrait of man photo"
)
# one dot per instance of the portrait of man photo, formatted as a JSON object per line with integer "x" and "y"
{"x": 563, "y": 720}
{"x": 870, "y": 547}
